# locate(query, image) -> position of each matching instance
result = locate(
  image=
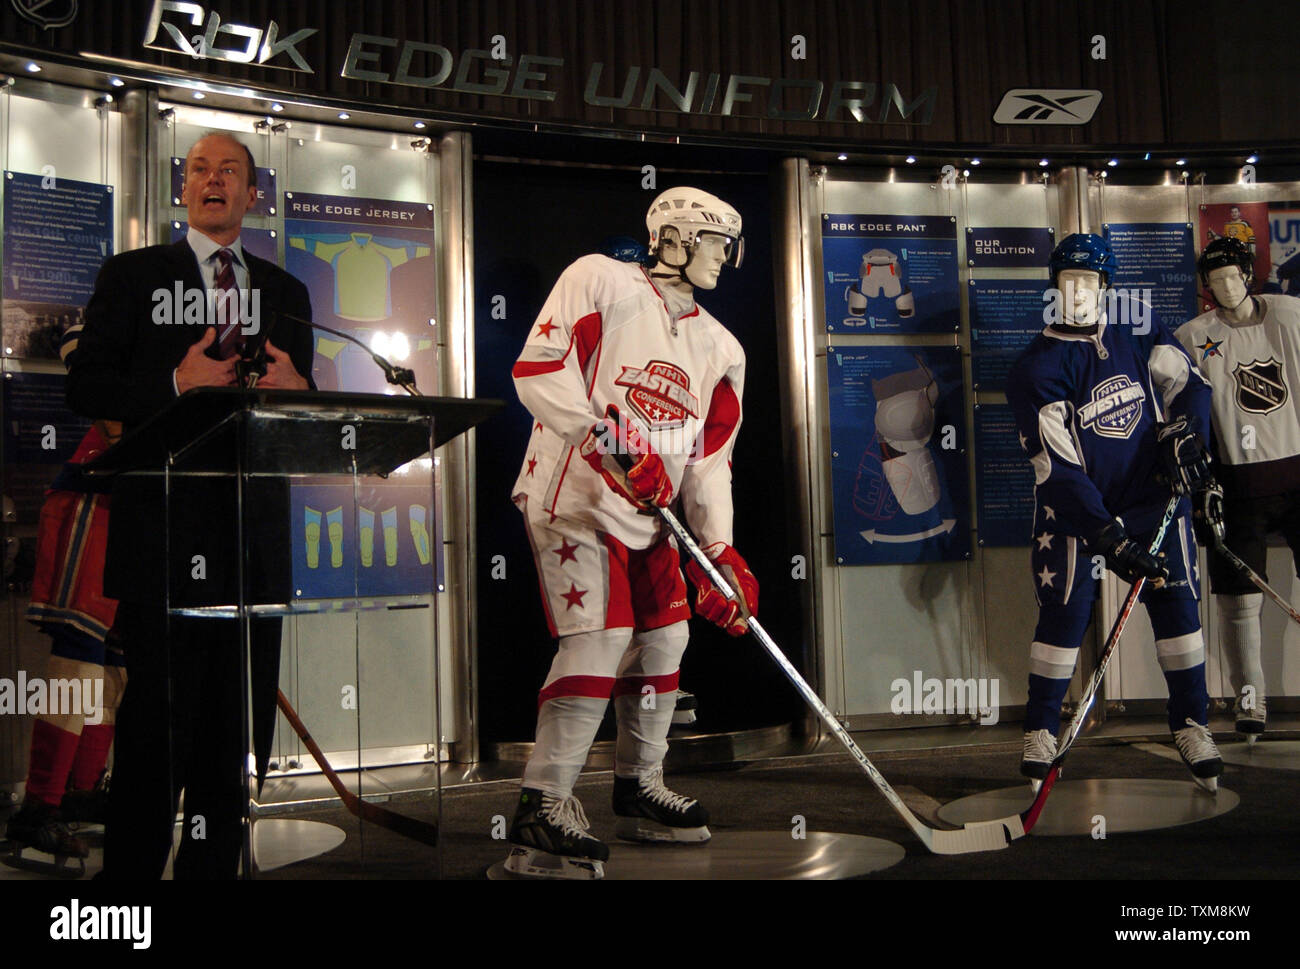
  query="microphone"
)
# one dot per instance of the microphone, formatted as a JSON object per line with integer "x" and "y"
{"x": 399, "y": 376}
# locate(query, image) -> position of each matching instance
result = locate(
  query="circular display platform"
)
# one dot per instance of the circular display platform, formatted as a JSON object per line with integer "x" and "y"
{"x": 278, "y": 842}
{"x": 759, "y": 855}
{"x": 1277, "y": 754}
{"x": 1126, "y": 803}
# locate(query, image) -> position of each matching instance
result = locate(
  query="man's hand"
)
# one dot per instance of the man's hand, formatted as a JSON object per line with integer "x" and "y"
{"x": 727, "y": 613}
{"x": 645, "y": 481}
{"x": 200, "y": 370}
{"x": 280, "y": 371}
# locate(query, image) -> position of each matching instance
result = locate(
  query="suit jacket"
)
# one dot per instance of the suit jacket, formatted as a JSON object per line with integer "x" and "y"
{"x": 122, "y": 370}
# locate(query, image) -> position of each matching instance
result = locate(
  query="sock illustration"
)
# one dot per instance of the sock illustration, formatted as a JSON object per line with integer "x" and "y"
{"x": 389, "y": 518}
{"x": 334, "y": 523}
{"x": 313, "y": 537}
{"x": 420, "y": 533}
{"x": 367, "y": 537}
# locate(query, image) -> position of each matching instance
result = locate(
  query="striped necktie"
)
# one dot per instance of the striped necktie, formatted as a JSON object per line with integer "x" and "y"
{"x": 229, "y": 331}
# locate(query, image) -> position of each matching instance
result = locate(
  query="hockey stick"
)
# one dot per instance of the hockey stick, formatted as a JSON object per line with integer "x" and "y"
{"x": 1030, "y": 816}
{"x": 1254, "y": 577}
{"x": 366, "y": 811}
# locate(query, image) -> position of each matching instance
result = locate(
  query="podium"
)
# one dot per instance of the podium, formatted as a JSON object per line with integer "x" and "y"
{"x": 297, "y": 517}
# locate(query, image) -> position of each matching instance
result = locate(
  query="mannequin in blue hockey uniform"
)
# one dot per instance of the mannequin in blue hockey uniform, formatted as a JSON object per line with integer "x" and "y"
{"x": 1113, "y": 414}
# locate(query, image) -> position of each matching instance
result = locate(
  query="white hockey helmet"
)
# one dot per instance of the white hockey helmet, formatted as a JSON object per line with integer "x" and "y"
{"x": 692, "y": 212}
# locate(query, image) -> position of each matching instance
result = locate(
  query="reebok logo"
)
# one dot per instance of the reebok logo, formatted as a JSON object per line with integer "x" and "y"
{"x": 1047, "y": 106}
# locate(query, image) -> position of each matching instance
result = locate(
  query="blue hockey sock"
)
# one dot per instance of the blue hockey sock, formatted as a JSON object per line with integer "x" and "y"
{"x": 1043, "y": 710}
{"x": 1188, "y": 697}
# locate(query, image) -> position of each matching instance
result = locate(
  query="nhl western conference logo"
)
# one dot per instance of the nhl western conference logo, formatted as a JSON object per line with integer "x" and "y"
{"x": 1115, "y": 408}
{"x": 1261, "y": 388}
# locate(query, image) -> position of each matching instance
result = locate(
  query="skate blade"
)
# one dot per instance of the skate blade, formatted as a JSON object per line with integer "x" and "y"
{"x": 652, "y": 832}
{"x": 682, "y": 718}
{"x": 1207, "y": 784}
{"x": 1035, "y": 785}
{"x": 64, "y": 867}
{"x": 534, "y": 863}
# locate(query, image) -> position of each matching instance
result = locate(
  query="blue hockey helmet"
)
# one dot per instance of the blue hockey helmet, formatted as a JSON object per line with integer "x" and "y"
{"x": 623, "y": 248}
{"x": 1083, "y": 250}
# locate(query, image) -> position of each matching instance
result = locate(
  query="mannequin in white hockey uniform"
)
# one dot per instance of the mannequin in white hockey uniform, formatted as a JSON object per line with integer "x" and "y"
{"x": 1248, "y": 348}
{"x": 621, "y": 358}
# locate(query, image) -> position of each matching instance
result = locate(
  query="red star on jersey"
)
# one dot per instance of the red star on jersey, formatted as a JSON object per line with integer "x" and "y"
{"x": 566, "y": 552}
{"x": 544, "y": 329}
{"x": 532, "y": 464}
{"x": 573, "y": 597}
{"x": 538, "y": 427}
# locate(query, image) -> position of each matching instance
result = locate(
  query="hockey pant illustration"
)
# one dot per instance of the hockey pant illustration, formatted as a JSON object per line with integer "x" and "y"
{"x": 881, "y": 276}
{"x": 904, "y": 422}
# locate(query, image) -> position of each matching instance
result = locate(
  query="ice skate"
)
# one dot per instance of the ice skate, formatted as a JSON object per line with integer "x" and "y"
{"x": 550, "y": 838}
{"x": 38, "y": 827}
{"x": 1250, "y": 723}
{"x": 685, "y": 711}
{"x": 648, "y": 811}
{"x": 1036, "y": 762}
{"x": 86, "y": 807}
{"x": 1198, "y": 751}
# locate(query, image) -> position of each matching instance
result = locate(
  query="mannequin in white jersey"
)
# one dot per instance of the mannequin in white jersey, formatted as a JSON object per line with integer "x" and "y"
{"x": 1248, "y": 348}
{"x": 622, "y": 358}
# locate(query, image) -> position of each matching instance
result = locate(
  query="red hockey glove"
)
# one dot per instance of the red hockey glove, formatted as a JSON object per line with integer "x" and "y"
{"x": 712, "y": 604}
{"x": 618, "y": 452}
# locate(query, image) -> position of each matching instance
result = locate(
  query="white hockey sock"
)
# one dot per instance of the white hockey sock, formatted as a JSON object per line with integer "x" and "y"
{"x": 644, "y": 709}
{"x": 572, "y": 705}
{"x": 1239, "y": 629}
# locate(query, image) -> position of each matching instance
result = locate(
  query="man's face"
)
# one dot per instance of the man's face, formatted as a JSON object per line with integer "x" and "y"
{"x": 1228, "y": 286}
{"x": 217, "y": 192}
{"x": 1081, "y": 291}
{"x": 1234, "y": 213}
{"x": 707, "y": 259}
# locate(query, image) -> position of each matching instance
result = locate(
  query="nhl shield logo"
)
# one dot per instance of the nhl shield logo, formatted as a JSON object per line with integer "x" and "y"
{"x": 1115, "y": 407}
{"x": 1261, "y": 388}
{"x": 660, "y": 393}
{"x": 47, "y": 13}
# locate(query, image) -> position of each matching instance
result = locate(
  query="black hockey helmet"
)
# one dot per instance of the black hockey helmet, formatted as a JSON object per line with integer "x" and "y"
{"x": 1225, "y": 251}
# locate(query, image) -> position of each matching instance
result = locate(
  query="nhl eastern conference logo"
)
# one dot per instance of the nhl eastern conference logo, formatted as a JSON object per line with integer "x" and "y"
{"x": 660, "y": 393}
{"x": 1115, "y": 408}
{"x": 1261, "y": 387}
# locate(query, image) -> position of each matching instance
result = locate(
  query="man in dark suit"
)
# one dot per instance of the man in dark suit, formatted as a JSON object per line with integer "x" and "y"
{"x": 178, "y": 727}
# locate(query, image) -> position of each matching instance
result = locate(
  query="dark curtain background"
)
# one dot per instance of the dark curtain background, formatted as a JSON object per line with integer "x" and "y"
{"x": 530, "y": 222}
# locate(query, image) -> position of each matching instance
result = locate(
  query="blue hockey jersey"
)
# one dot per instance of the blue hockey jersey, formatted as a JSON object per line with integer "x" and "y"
{"x": 1087, "y": 408}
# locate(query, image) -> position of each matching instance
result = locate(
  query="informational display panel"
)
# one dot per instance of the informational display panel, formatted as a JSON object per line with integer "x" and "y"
{"x": 898, "y": 458}
{"x": 1157, "y": 263}
{"x": 1248, "y": 223}
{"x": 40, "y": 433}
{"x": 1284, "y": 249}
{"x": 1005, "y": 316}
{"x": 1004, "y": 479}
{"x": 57, "y": 233}
{"x": 890, "y": 273}
{"x": 1008, "y": 247}
{"x": 368, "y": 265}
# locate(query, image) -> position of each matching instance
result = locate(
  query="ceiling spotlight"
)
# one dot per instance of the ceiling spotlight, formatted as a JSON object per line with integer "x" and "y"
{"x": 842, "y": 157}
{"x": 1147, "y": 156}
{"x": 965, "y": 173}
{"x": 1043, "y": 163}
{"x": 1112, "y": 163}
{"x": 1252, "y": 159}
{"x": 199, "y": 95}
{"x": 974, "y": 161}
{"x": 343, "y": 116}
{"x": 420, "y": 126}
{"x": 910, "y": 159}
{"x": 103, "y": 101}
{"x": 116, "y": 82}
{"x": 277, "y": 106}
{"x": 1105, "y": 174}
{"x": 1181, "y": 162}
{"x": 33, "y": 67}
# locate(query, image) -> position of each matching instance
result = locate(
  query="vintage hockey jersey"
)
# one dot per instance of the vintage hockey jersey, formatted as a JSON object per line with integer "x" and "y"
{"x": 1253, "y": 371}
{"x": 606, "y": 336}
{"x": 1087, "y": 409}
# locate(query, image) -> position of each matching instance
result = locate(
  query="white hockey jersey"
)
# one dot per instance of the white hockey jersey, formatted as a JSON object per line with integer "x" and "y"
{"x": 1255, "y": 373}
{"x": 606, "y": 336}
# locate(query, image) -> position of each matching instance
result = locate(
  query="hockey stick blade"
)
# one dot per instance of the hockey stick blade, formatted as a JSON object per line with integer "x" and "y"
{"x": 408, "y": 827}
{"x": 1258, "y": 581}
{"x": 1031, "y": 814}
{"x": 979, "y": 836}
